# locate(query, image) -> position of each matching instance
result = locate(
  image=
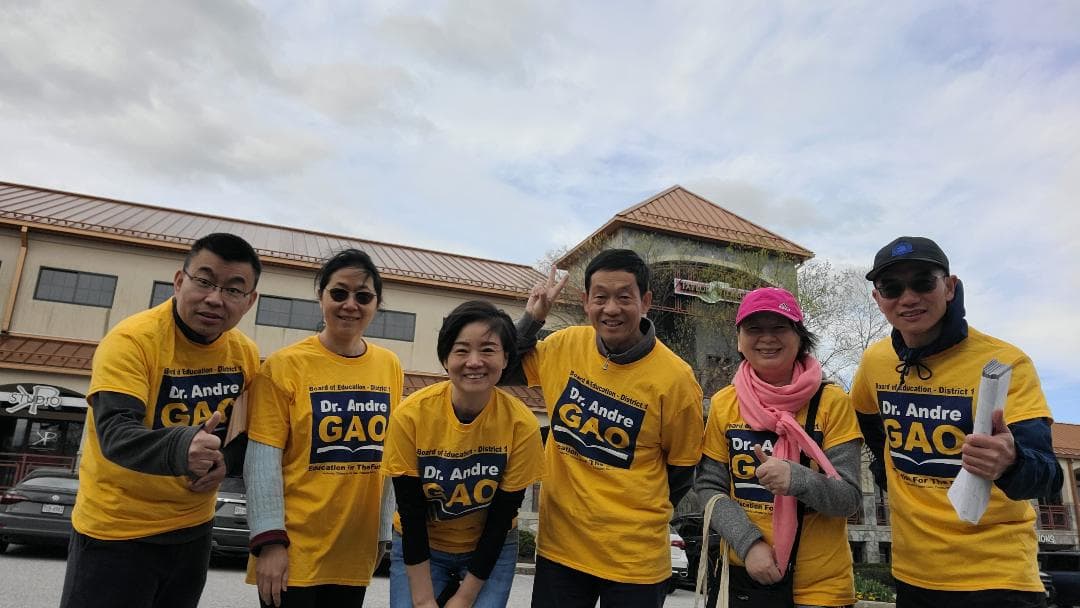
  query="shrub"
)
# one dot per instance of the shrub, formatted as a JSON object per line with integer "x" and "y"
{"x": 881, "y": 573}
{"x": 874, "y": 582}
{"x": 873, "y": 591}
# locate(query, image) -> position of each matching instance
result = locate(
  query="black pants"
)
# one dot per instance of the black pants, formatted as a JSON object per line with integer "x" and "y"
{"x": 338, "y": 596}
{"x": 134, "y": 574}
{"x": 910, "y": 596}
{"x": 556, "y": 586}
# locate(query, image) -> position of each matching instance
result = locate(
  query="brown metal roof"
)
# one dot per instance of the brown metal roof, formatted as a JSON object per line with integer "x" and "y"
{"x": 1066, "y": 438}
{"x": 62, "y": 356}
{"x": 679, "y": 211}
{"x": 32, "y": 352}
{"x": 155, "y": 226}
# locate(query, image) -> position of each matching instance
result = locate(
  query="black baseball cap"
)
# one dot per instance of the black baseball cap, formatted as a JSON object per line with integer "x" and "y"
{"x": 908, "y": 249}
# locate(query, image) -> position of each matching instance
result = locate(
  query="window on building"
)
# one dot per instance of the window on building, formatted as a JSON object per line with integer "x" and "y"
{"x": 288, "y": 312}
{"x": 858, "y": 551}
{"x": 393, "y": 325}
{"x": 162, "y": 291}
{"x": 885, "y": 552}
{"x": 75, "y": 287}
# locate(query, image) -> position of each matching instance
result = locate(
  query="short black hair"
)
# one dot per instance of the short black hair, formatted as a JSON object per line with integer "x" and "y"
{"x": 349, "y": 258}
{"x": 470, "y": 312}
{"x": 228, "y": 247}
{"x": 619, "y": 259}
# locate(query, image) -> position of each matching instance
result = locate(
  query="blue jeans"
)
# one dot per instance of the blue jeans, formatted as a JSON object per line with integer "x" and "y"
{"x": 494, "y": 594}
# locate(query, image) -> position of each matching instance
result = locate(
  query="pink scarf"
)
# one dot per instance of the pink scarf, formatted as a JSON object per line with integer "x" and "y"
{"x": 772, "y": 408}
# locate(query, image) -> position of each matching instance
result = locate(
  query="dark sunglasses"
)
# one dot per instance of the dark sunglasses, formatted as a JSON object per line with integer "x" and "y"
{"x": 363, "y": 298}
{"x": 891, "y": 289}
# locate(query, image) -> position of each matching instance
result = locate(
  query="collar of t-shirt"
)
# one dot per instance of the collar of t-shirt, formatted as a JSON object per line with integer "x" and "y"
{"x": 187, "y": 331}
{"x": 635, "y": 352}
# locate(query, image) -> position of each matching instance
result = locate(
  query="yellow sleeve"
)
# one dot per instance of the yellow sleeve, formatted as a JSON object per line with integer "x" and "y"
{"x": 120, "y": 365}
{"x": 269, "y": 418}
{"x": 526, "y": 462}
{"x": 530, "y": 364}
{"x": 399, "y": 447}
{"x": 839, "y": 424}
{"x": 715, "y": 444}
{"x": 397, "y": 386}
{"x": 682, "y": 424}
{"x": 1025, "y": 399}
{"x": 862, "y": 396}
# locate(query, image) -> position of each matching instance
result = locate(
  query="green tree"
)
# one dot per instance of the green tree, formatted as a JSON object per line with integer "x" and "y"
{"x": 841, "y": 311}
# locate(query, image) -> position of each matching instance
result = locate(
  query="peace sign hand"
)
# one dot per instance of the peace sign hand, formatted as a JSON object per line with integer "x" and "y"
{"x": 544, "y": 293}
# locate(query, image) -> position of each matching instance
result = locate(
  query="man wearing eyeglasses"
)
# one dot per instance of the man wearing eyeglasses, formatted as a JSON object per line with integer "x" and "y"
{"x": 162, "y": 388}
{"x": 916, "y": 393}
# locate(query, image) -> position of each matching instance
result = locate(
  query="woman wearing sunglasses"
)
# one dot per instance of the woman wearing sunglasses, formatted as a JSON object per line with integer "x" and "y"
{"x": 461, "y": 454}
{"x": 782, "y": 449}
{"x": 319, "y": 414}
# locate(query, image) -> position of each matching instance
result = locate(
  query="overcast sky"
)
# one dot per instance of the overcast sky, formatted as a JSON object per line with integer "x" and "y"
{"x": 506, "y": 129}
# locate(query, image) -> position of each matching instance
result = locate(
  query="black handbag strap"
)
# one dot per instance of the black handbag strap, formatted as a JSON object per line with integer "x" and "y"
{"x": 811, "y": 419}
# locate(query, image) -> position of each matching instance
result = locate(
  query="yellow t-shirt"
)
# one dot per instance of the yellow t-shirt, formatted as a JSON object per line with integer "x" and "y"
{"x": 181, "y": 383}
{"x": 823, "y": 575}
{"x": 604, "y": 508}
{"x": 925, "y": 425}
{"x": 329, "y": 414}
{"x": 461, "y": 465}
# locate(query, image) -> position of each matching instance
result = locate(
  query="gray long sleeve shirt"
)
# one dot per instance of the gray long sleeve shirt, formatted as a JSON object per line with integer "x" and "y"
{"x": 833, "y": 497}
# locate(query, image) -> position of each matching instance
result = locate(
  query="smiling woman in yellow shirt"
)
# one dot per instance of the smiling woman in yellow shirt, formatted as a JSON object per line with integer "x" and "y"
{"x": 461, "y": 454}
{"x": 320, "y": 410}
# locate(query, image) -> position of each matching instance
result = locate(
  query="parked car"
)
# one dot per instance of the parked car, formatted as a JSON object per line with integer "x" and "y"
{"x": 37, "y": 510}
{"x": 230, "y": 535}
{"x": 680, "y": 572}
{"x": 1063, "y": 567}
{"x": 231, "y": 531}
{"x": 1048, "y": 585}
{"x": 688, "y": 525}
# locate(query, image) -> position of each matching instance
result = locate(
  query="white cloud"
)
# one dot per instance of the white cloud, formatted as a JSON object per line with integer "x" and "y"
{"x": 506, "y": 129}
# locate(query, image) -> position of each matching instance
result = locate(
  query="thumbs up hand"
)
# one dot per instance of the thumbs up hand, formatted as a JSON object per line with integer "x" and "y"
{"x": 989, "y": 456}
{"x": 206, "y": 464}
{"x": 773, "y": 473}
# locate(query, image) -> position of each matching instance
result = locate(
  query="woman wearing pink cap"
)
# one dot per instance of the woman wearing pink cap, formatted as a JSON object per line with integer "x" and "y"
{"x": 782, "y": 449}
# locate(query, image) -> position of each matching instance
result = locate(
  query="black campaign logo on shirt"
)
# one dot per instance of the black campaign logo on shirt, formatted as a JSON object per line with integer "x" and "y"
{"x": 455, "y": 487}
{"x": 348, "y": 426}
{"x": 596, "y": 425}
{"x": 188, "y": 400}
{"x": 926, "y": 432}
{"x": 744, "y": 462}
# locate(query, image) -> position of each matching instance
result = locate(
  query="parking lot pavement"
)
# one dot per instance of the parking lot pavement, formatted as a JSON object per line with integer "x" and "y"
{"x": 33, "y": 577}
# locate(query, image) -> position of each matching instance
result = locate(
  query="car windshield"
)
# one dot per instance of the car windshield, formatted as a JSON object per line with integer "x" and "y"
{"x": 234, "y": 485}
{"x": 49, "y": 484}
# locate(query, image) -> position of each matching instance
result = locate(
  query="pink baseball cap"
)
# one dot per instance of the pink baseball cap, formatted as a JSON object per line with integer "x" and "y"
{"x": 769, "y": 299}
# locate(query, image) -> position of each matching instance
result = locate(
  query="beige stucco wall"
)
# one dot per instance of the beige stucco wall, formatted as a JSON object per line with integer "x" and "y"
{"x": 136, "y": 269}
{"x": 79, "y": 384}
{"x": 9, "y": 254}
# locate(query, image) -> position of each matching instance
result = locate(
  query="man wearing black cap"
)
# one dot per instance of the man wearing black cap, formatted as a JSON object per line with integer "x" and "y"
{"x": 916, "y": 392}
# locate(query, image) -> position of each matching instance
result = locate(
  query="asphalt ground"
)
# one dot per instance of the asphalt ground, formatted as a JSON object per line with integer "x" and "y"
{"x": 33, "y": 577}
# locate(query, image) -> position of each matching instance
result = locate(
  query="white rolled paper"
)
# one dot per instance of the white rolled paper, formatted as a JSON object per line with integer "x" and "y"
{"x": 970, "y": 494}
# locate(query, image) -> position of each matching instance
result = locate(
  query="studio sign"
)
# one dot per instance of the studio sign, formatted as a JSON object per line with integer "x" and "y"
{"x": 38, "y": 396}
